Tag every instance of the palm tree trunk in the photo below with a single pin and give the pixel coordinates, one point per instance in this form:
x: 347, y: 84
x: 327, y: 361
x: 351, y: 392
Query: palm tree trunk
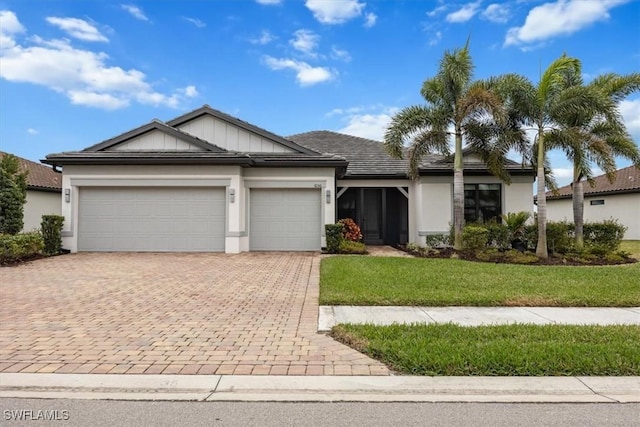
x: 578, y: 211
x: 458, y: 192
x: 541, y: 249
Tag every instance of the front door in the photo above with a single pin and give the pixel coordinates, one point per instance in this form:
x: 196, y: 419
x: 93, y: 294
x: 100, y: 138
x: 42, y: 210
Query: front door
x: 372, y: 223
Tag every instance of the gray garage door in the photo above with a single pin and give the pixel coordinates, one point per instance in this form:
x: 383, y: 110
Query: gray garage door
x: 285, y: 219
x: 173, y: 219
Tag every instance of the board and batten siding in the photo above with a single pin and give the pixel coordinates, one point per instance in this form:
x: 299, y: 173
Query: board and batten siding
x: 156, y: 141
x: 230, y: 137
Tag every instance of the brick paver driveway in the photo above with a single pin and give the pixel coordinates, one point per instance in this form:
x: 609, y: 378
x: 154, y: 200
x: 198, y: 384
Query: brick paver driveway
x: 252, y: 313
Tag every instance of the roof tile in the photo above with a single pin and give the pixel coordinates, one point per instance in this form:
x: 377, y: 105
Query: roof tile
x: 40, y: 176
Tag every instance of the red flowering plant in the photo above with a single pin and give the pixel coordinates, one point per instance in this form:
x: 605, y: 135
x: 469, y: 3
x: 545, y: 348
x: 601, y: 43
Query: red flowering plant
x: 351, y: 230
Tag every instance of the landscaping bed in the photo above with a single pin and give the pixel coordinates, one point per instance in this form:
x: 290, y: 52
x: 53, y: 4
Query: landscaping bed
x: 505, y: 350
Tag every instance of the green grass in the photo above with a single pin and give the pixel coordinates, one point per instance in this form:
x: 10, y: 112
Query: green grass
x: 631, y: 246
x: 507, y: 350
x: 357, y: 280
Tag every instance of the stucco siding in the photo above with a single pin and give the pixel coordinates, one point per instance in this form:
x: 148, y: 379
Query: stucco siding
x: 623, y: 207
x: 156, y: 141
x: 230, y: 137
x: 40, y: 203
x: 435, y: 201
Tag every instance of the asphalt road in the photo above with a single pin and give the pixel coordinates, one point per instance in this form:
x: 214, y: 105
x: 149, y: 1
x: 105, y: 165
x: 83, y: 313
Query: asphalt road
x: 126, y: 413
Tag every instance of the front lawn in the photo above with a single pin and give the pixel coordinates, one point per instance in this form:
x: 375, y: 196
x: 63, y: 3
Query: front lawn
x: 513, y: 350
x: 632, y: 247
x: 358, y: 280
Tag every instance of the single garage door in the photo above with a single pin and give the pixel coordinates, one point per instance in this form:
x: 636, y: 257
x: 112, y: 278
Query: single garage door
x: 285, y: 219
x: 150, y: 219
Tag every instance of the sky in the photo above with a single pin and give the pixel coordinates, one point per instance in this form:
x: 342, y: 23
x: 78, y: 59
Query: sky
x: 74, y: 73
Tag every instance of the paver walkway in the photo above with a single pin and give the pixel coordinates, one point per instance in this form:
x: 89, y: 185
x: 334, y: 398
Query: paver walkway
x: 151, y: 313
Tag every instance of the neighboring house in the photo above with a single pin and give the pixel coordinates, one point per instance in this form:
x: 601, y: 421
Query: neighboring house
x: 44, y: 186
x: 207, y: 181
x: 619, y: 200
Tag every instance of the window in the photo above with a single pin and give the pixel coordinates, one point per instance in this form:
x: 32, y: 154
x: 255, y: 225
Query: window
x: 482, y: 202
x: 597, y: 202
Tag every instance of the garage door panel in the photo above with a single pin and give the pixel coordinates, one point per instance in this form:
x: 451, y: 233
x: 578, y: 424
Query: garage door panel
x: 151, y: 219
x: 285, y: 219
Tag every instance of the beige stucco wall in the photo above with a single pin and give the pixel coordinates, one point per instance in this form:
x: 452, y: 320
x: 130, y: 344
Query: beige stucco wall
x: 623, y: 207
x: 40, y: 203
x: 434, y: 202
x: 235, y: 178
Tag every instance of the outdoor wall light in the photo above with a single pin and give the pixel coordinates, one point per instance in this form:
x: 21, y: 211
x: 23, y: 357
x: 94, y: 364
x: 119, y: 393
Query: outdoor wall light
x: 328, y: 196
x: 67, y: 195
x: 232, y: 195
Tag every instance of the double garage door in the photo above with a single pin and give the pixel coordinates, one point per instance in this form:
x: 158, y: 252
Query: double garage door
x: 151, y: 219
x: 179, y: 219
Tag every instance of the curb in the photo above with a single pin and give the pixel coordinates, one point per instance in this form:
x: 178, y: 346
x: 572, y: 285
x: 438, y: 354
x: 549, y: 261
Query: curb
x: 322, y: 388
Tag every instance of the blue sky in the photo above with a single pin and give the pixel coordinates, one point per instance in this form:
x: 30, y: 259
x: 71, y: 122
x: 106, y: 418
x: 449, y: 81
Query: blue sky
x: 73, y: 73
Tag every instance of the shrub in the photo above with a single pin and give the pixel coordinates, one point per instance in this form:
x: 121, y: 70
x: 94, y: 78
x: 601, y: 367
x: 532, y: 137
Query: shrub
x: 474, y: 238
x: 334, y: 237
x: 605, y: 235
x: 17, y: 247
x: 498, y: 235
x: 440, y: 240
x: 559, y: 236
x: 351, y: 230
x: 51, y: 227
x: 351, y: 247
x: 13, y: 195
x: 516, y: 224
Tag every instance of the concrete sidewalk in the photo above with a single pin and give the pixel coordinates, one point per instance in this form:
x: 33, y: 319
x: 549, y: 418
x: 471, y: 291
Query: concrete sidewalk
x: 330, y: 316
x: 321, y: 388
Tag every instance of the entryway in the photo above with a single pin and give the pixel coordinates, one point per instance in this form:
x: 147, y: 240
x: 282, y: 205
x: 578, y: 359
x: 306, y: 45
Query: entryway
x: 381, y: 213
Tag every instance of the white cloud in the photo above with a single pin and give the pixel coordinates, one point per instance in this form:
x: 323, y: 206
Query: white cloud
x: 365, y: 121
x: 32, y: 131
x: 435, y: 38
x: 82, y: 75
x: 335, y: 11
x: 306, y: 75
x: 77, y: 28
x: 340, y: 54
x: 195, y: 21
x: 436, y: 11
x: 9, y: 26
x: 465, y: 13
x: 562, y: 17
x: 265, y: 38
x: 269, y: 2
x: 370, y: 20
x: 190, y: 91
x: 496, y: 12
x: 135, y: 11
x: 305, y: 41
x: 630, y: 110
x: 106, y: 101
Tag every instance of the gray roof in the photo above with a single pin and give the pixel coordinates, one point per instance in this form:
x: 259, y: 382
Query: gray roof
x: 368, y: 158
x: 212, y: 154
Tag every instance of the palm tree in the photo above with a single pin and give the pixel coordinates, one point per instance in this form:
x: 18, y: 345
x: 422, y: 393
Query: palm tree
x: 538, y: 109
x: 595, y: 135
x: 459, y: 106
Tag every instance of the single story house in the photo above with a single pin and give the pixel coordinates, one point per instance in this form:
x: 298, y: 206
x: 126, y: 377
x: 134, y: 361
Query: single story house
x: 619, y: 200
x: 44, y: 186
x: 207, y: 181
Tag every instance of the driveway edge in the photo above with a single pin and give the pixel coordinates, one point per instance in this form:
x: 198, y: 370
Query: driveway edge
x: 322, y: 388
